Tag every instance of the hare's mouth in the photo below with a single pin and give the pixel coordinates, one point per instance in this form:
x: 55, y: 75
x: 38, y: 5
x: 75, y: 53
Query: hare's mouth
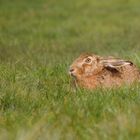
x: 72, y: 74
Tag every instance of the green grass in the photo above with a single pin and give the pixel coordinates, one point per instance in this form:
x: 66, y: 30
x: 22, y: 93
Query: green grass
x: 38, y: 41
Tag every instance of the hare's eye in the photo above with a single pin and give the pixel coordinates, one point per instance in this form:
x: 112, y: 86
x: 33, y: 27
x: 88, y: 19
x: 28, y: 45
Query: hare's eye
x: 88, y: 60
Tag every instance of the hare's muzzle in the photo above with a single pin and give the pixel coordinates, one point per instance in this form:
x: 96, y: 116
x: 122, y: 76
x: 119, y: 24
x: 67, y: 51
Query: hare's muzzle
x: 72, y: 72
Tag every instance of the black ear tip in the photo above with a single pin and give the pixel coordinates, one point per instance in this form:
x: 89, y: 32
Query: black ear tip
x: 114, y: 70
x: 131, y: 63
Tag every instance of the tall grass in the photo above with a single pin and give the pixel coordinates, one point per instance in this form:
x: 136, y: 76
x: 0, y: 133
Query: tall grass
x: 38, y: 41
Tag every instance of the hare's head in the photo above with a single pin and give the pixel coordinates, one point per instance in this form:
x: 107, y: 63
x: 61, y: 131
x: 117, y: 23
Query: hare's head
x: 84, y: 65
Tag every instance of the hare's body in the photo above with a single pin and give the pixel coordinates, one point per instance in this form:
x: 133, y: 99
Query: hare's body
x: 103, y: 72
x: 110, y: 78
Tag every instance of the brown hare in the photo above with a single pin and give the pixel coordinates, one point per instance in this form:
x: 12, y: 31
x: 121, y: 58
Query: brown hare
x: 91, y: 71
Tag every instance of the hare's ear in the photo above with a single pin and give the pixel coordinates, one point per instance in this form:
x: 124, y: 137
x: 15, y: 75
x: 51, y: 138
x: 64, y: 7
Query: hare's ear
x: 115, y: 63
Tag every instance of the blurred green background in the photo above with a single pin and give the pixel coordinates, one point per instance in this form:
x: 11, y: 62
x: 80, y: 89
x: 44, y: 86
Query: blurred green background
x: 39, y: 39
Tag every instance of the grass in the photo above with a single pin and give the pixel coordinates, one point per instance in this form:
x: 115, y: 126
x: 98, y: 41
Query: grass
x: 38, y: 41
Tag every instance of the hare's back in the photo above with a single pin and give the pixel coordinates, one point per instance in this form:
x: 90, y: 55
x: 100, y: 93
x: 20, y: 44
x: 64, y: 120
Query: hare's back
x: 124, y: 75
x: 130, y: 73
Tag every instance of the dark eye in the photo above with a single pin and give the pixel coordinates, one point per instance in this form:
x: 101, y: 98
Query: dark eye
x: 88, y: 60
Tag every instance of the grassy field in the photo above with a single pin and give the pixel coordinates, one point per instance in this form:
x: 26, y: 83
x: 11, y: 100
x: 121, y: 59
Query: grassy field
x: 38, y: 41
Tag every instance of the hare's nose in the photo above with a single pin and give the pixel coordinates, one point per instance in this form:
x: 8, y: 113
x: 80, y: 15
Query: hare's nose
x: 71, y: 70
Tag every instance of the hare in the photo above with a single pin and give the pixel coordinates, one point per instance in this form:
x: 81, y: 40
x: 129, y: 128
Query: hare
x: 91, y: 71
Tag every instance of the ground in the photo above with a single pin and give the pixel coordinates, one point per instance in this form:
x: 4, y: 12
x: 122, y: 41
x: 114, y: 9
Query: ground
x: 39, y: 39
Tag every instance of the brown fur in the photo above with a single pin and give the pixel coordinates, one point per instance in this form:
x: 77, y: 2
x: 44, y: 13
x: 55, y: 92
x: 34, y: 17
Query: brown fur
x: 91, y: 71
